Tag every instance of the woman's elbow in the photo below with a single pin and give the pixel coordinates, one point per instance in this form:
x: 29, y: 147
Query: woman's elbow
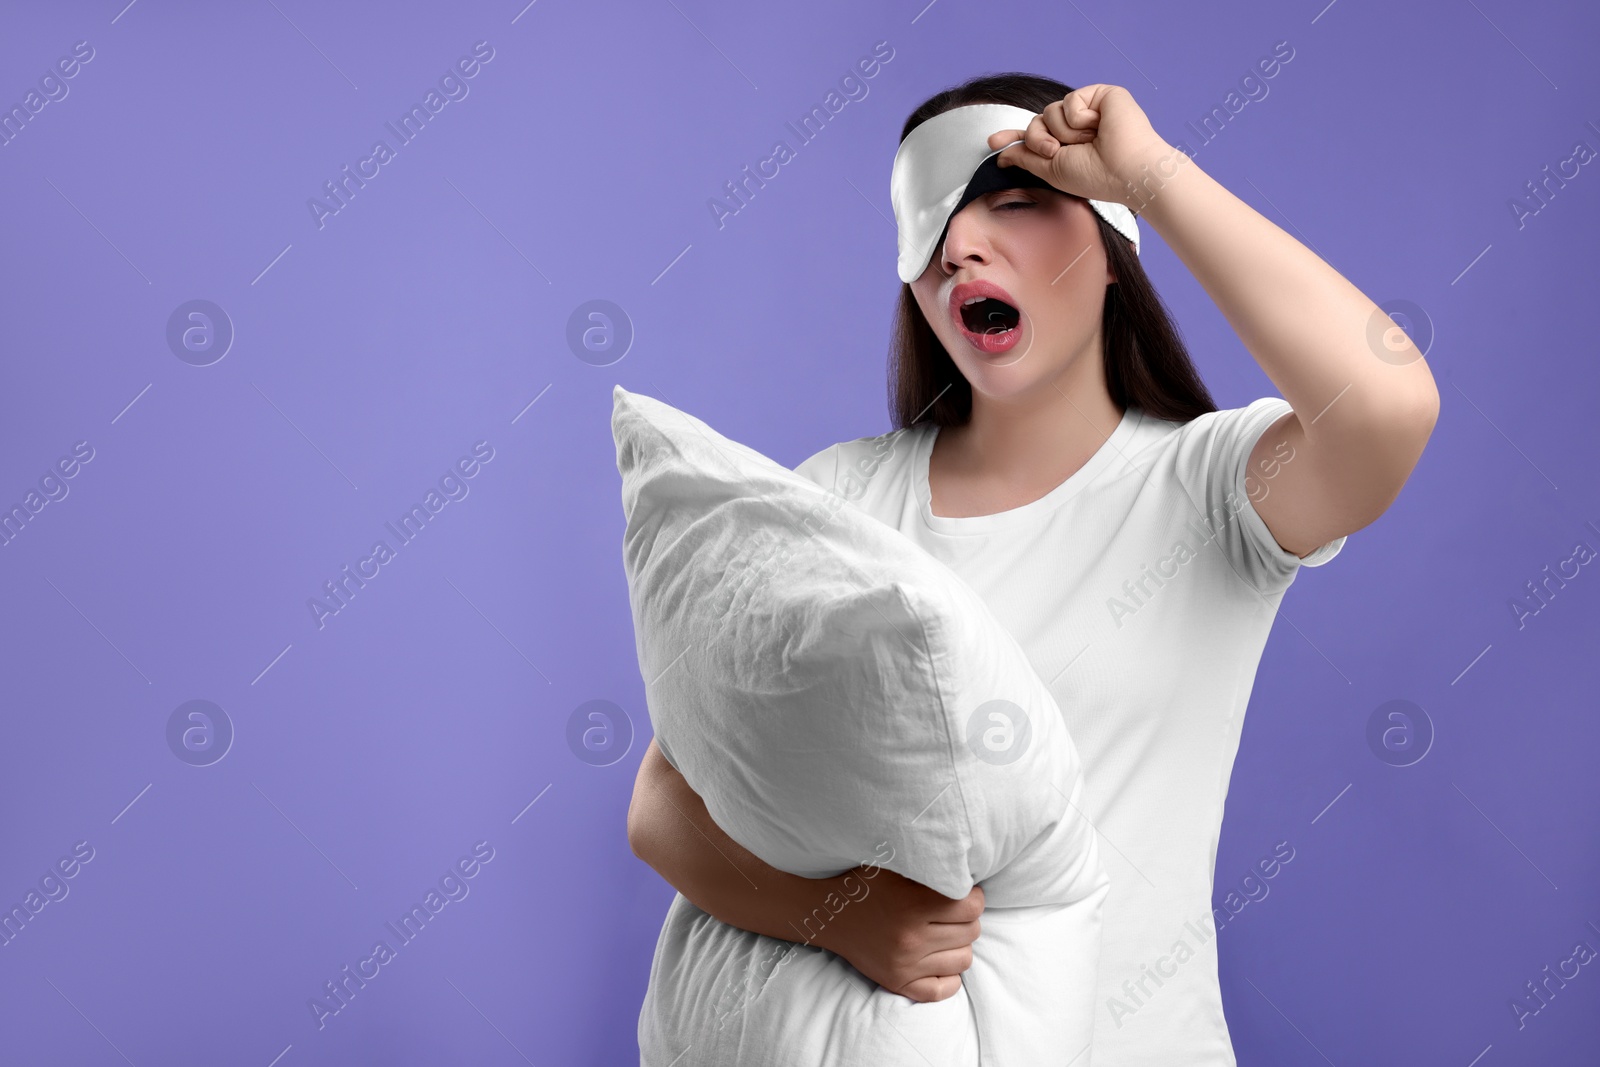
x: 638, y: 829
x: 641, y: 826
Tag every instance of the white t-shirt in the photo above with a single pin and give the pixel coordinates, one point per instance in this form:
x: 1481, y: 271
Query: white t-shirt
x: 1147, y: 622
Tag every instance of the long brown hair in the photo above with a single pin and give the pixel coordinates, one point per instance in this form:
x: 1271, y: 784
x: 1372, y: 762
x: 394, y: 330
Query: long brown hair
x: 1146, y: 363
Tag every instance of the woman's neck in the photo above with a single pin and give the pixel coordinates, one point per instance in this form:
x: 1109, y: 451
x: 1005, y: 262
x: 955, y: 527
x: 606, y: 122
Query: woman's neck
x: 1015, y: 450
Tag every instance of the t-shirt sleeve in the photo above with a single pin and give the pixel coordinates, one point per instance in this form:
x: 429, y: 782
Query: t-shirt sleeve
x: 821, y: 467
x: 1218, y: 468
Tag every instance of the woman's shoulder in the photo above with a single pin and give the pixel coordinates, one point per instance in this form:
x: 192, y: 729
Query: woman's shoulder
x: 861, y: 455
x: 1224, y: 429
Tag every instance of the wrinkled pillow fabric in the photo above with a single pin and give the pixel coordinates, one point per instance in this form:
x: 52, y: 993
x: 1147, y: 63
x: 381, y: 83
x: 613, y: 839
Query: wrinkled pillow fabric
x: 839, y: 697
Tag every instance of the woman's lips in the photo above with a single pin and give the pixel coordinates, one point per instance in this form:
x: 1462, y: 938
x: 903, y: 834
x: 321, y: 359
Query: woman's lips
x: 995, y: 341
x: 991, y: 341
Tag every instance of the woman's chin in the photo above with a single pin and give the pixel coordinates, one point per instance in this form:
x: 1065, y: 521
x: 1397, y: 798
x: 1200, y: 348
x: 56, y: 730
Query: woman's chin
x: 1002, y: 382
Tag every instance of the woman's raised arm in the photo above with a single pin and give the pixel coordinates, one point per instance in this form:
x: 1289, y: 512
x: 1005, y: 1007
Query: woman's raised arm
x: 1364, y: 402
x: 899, y: 933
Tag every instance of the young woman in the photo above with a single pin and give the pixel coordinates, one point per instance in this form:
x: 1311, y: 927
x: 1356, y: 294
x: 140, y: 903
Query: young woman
x: 1057, y: 449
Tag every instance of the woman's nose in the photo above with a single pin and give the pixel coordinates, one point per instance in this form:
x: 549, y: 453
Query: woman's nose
x: 964, y: 240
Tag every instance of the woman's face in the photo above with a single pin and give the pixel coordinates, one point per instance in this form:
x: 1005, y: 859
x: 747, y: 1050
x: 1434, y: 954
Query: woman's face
x: 1038, y: 250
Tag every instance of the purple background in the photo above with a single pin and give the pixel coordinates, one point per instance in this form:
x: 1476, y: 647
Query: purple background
x: 432, y: 312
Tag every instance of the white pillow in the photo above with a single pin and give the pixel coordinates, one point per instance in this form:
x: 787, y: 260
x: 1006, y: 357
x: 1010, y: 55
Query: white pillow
x: 838, y: 697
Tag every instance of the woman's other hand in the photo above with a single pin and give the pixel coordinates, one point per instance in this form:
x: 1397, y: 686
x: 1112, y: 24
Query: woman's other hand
x: 906, y: 937
x: 899, y: 933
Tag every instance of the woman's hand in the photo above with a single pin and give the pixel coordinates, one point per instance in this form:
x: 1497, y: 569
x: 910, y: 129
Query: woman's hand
x: 1095, y: 142
x: 899, y: 933
x: 906, y: 937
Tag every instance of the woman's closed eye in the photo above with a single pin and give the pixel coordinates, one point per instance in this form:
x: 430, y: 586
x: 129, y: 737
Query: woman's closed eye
x: 1015, y: 203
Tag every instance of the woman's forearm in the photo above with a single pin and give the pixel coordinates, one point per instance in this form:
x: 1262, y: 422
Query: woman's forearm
x: 1364, y: 400
x: 670, y: 829
x: 899, y: 933
x: 1310, y: 329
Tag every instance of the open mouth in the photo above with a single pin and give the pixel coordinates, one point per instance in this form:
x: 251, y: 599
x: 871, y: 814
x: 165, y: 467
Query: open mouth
x: 990, y: 324
x: 989, y: 316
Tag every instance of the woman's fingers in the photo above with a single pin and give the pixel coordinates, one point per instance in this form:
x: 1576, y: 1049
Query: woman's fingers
x: 944, y: 978
x: 1054, y: 120
x: 908, y: 937
x: 934, y: 906
x: 1004, y: 137
x: 1081, y: 107
x: 1070, y: 120
x: 929, y: 990
x: 951, y: 961
x: 943, y: 935
x: 1039, y: 137
x: 971, y: 905
x: 1011, y: 156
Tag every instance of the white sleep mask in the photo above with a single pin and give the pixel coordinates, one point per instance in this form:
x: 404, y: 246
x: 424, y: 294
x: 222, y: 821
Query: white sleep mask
x: 946, y: 162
